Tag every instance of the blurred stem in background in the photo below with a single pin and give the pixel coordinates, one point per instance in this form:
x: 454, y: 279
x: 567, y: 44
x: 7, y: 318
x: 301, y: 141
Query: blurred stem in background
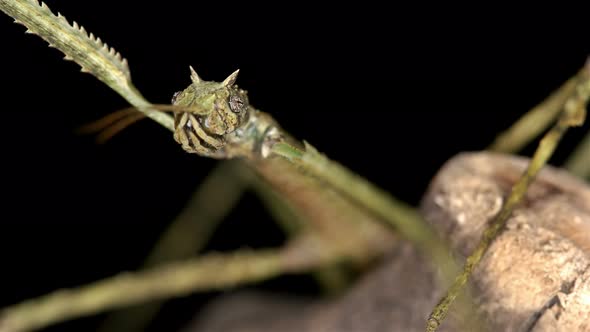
x: 538, y: 119
x: 579, y: 161
x: 208, y: 272
x: 190, y: 231
x: 332, y: 278
x: 535, y: 121
x: 186, y: 235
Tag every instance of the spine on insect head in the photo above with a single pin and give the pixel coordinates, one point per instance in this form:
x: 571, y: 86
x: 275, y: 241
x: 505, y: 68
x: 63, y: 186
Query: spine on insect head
x: 231, y: 79
x: 194, y: 76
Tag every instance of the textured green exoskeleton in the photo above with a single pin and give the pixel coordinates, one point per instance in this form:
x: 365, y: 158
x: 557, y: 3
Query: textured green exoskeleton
x: 219, y: 109
x: 216, y: 120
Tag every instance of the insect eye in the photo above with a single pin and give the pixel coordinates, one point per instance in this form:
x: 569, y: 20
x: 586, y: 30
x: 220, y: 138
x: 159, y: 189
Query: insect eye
x: 236, y: 104
x: 175, y: 96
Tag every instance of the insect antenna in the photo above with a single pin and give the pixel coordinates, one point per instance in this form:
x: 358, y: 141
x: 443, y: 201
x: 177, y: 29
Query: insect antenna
x: 113, y: 123
x: 106, y: 121
x: 115, y: 128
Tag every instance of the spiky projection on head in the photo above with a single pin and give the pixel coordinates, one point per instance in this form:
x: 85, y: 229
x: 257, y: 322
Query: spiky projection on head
x: 217, y: 109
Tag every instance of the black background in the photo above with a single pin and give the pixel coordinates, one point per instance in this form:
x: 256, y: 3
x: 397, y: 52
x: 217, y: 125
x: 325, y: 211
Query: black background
x: 390, y: 92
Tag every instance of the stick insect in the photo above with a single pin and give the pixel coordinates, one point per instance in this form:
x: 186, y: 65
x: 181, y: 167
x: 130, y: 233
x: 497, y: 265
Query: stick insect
x: 215, y: 119
x: 211, y: 119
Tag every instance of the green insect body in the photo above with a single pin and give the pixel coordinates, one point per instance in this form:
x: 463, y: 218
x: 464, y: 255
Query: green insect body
x: 219, y: 121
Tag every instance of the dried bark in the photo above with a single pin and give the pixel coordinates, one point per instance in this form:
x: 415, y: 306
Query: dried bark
x: 535, y: 276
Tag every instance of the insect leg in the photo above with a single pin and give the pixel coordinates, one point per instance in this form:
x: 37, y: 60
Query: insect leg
x: 187, y: 138
x: 215, y: 142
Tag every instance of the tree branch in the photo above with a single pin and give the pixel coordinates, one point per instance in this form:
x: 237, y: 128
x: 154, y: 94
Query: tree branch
x: 213, y: 271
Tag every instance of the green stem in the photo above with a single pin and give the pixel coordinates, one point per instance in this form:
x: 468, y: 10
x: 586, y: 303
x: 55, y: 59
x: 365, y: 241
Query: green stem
x: 186, y: 235
x: 403, y: 217
x: 89, y: 52
x: 213, y: 271
x: 573, y: 115
x: 535, y: 121
x: 578, y: 162
x: 332, y: 278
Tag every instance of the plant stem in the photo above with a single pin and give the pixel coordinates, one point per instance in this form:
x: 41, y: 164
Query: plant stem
x: 186, y: 235
x: 403, y: 217
x: 347, y: 228
x: 331, y: 278
x: 213, y: 271
x: 535, y: 121
x: 89, y: 52
x: 574, y: 112
x: 578, y: 162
